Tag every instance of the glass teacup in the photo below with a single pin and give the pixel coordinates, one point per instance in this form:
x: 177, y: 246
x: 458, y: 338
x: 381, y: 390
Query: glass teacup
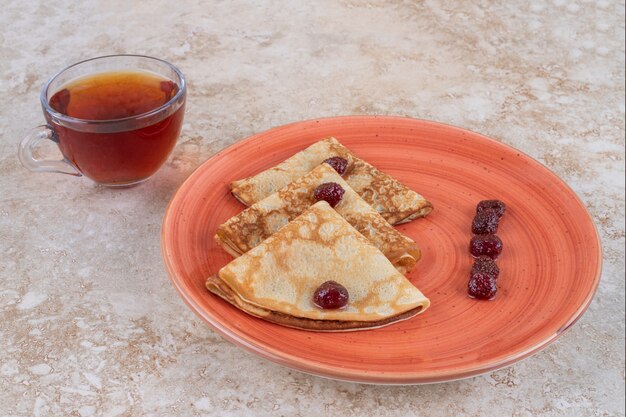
x: 114, y: 118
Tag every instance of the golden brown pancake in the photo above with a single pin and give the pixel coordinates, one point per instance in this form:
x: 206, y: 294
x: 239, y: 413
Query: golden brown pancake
x: 276, y: 279
x: 392, y: 199
x: 253, y: 189
x: 259, y: 221
x: 396, y: 202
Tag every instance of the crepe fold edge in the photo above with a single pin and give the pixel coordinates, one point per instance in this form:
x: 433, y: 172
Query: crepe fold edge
x: 218, y: 287
x: 403, y: 258
x: 372, y: 185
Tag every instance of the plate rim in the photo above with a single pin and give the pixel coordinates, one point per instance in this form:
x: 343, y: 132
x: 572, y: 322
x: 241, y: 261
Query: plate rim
x: 373, y: 377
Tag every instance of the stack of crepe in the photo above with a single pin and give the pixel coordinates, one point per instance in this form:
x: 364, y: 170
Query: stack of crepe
x: 393, y: 200
x: 286, y: 244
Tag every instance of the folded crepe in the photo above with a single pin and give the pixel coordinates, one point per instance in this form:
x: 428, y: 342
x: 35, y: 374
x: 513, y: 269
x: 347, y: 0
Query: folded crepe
x: 259, y: 221
x: 253, y: 189
x: 395, y: 202
x: 392, y: 199
x: 276, y: 280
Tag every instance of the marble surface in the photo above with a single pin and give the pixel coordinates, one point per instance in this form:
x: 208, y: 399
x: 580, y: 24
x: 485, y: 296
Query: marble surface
x: 89, y: 322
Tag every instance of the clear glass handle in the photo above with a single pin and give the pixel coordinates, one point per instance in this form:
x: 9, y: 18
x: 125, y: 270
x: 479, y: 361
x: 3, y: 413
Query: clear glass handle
x: 28, y: 145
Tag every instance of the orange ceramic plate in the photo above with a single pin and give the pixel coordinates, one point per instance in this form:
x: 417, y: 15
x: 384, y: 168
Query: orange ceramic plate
x: 550, y: 266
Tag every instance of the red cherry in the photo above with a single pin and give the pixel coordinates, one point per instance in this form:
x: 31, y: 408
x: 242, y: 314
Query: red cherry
x: 486, y: 265
x: 338, y: 163
x: 331, y: 295
x: 482, y: 286
x: 489, y: 245
x: 331, y: 192
x: 496, y: 205
x: 485, y: 222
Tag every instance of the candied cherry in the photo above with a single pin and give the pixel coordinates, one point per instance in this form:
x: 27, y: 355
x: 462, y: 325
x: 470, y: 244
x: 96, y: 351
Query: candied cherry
x: 486, y: 265
x: 489, y: 245
x: 331, y: 295
x: 496, y: 205
x: 338, y: 163
x: 485, y: 222
x: 482, y: 286
x: 331, y: 192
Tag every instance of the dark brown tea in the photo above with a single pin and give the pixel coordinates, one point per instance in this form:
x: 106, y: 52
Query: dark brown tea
x: 117, y: 157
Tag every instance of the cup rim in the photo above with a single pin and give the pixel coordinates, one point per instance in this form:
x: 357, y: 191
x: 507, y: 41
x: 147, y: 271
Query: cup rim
x: 75, y: 120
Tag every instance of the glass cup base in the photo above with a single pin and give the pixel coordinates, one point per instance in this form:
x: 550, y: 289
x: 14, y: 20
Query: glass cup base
x: 123, y: 184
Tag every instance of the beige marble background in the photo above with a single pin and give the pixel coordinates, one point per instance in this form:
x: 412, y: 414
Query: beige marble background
x: 89, y: 323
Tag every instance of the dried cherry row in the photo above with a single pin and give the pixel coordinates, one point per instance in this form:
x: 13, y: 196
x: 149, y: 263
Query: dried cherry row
x: 485, y: 247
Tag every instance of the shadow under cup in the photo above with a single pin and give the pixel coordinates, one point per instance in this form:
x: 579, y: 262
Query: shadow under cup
x: 115, y: 151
